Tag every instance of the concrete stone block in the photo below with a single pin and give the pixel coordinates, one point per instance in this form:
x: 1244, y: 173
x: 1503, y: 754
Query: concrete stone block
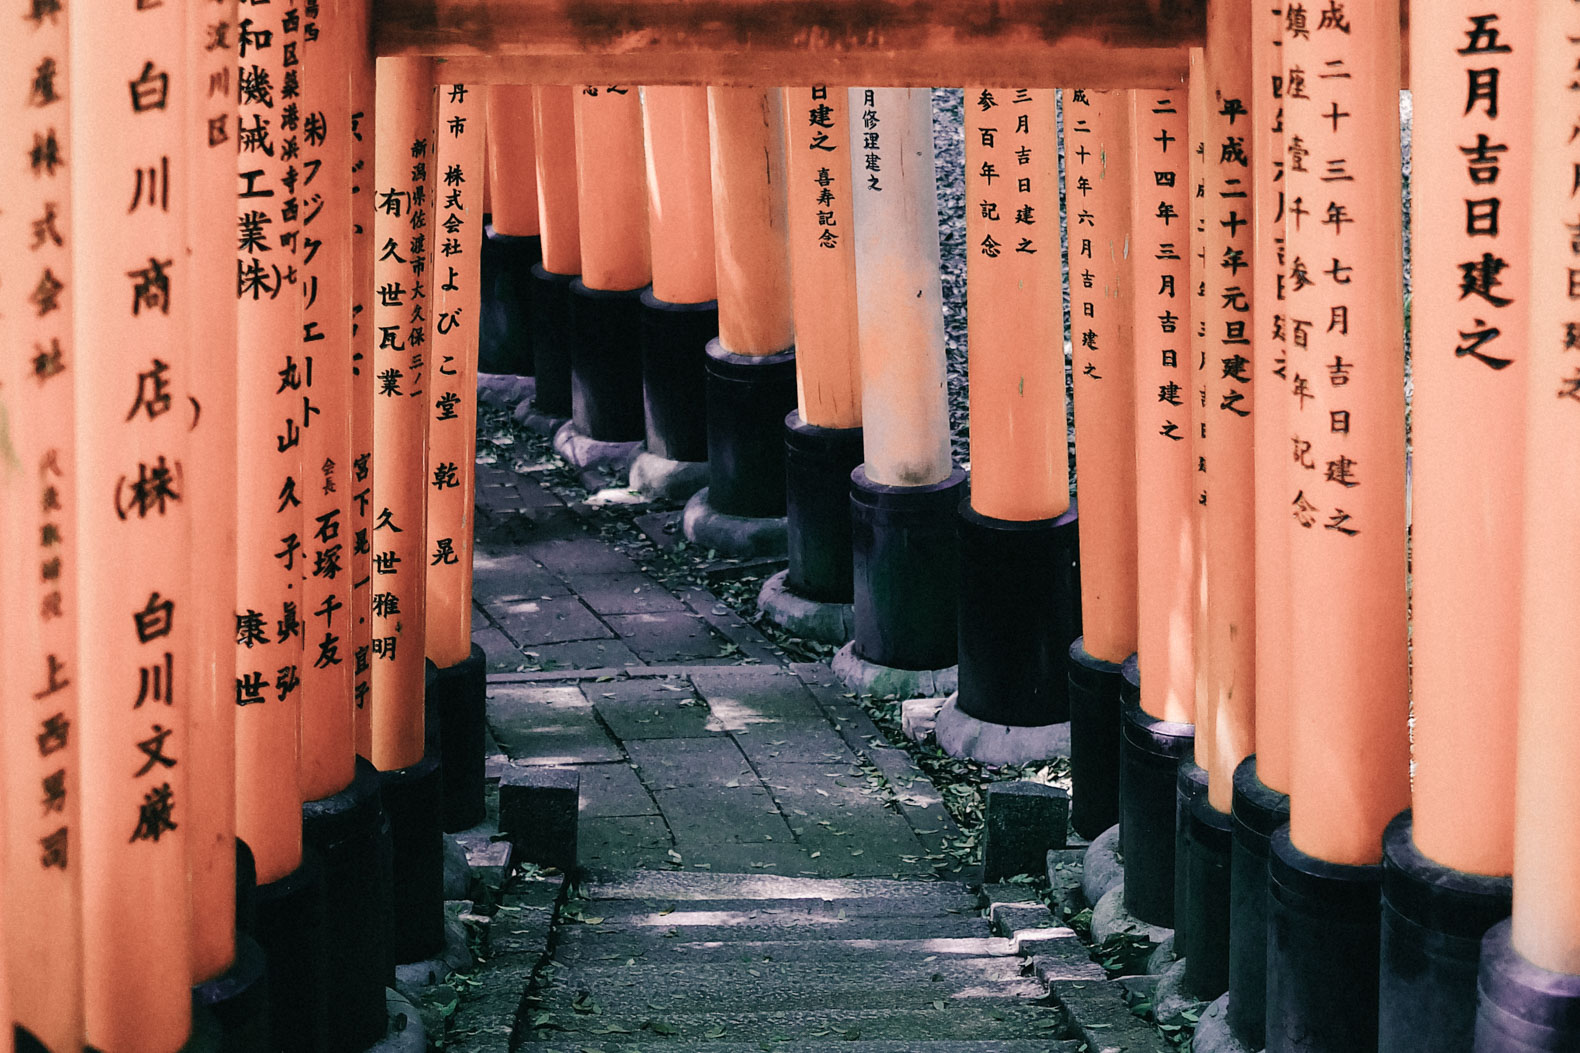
x: 538, y: 811
x: 1024, y: 820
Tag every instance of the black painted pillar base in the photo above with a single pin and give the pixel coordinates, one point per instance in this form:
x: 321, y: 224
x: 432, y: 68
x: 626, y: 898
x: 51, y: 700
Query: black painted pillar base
x: 818, y: 463
x: 553, y: 339
x: 292, y: 932
x: 1020, y: 608
x: 1094, y: 689
x: 1520, y: 1006
x: 905, y: 555
x: 504, y: 334
x: 675, y: 339
x: 246, y: 890
x: 748, y: 397
x: 1258, y: 811
x: 458, y: 702
x: 606, y: 363
x: 414, y: 803
x: 238, y: 1002
x: 1433, y: 921
x: 1149, y: 756
x: 1210, y: 839
x: 1190, y: 782
x: 348, y: 832
x: 1323, y: 933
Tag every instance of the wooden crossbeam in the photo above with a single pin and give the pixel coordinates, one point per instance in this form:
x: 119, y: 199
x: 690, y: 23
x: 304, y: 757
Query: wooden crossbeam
x: 1036, y: 43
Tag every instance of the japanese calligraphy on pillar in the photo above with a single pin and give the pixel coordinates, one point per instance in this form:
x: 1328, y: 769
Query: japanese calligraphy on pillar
x: 325, y: 379
x: 826, y: 190
x: 1567, y: 336
x: 127, y: 141
x: 38, y: 479
x: 871, y: 154
x: 1161, y: 308
x: 1198, y: 125
x: 273, y: 410
x: 359, y: 478
x: 452, y: 424
x: 402, y: 204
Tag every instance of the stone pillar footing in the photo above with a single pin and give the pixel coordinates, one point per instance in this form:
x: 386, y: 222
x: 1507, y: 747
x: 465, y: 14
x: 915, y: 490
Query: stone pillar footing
x: 414, y: 803
x: 657, y: 478
x: 1150, y: 753
x: 1323, y: 933
x: 552, y: 340
x: 1020, y: 608
x: 1258, y: 811
x: 350, y: 835
x: 748, y: 397
x: 1101, y: 868
x: 829, y: 623
x: 675, y: 338
x: 741, y: 537
x: 1520, y: 1006
x: 818, y: 464
x: 1094, y: 689
x: 1190, y: 782
x: 1433, y: 920
x: 582, y: 451
x: 960, y: 734
x: 403, y: 1028
x: 237, y: 1000
x: 1110, y: 918
x: 458, y: 702
x: 506, y: 390
x: 292, y: 933
x: 1213, y: 1033
x: 881, y: 681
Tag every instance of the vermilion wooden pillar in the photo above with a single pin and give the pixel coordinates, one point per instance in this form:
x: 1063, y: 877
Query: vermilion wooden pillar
x: 1349, y: 770
x: 751, y: 366
x: 406, y: 255
x: 1529, y: 981
x: 1199, y: 118
x: 1157, y: 728
x: 457, y: 697
x: 505, y: 332
x: 1098, y: 177
x: 364, y: 337
x: 553, y: 111
x: 903, y: 497
x: 1019, y: 589
x: 133, y: 525
x: 823, y: 436
x: 42, y: 788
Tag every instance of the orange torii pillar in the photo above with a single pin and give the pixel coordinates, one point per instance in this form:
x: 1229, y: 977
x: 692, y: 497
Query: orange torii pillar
x: 903, y: 498
x: 364, y: 336
x: 1019, y: 600
x: 342, y: 814
x: 512, y: 242
x: 1349, y: 772
x: 1204, y: 823
x: 1098, y: 180
x: 457, y: 697
x: 559, y: 226
x: 1529, y: 982
x: 751, y: 364
x: 1447, y: 861
x: 404, y: 234
x: 680, y: 312
x: 607, y: 424
x: 812, y: 596
x: 129, y: 365
x: 1261, y: 782
x: 274, y: 417
x: 41, y: 782
x: 1159, y: 703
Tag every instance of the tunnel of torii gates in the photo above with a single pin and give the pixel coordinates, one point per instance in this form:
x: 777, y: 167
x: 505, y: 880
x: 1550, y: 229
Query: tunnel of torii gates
x: 237, y: 428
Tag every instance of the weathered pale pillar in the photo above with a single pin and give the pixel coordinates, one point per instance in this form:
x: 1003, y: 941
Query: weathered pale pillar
x: 1157, y: 713
x: 554, y: 150
x: 1261, y: 803
x: 1349, y: 772
x: 812, y: 596
x: 680, y: 313
x: 1529, y: 983
x: 457, y: 697
x: 1098, y: 179
x: 404, y: 234
x: 1019, y: 584
x: 605, y: 306
x: 128, y: 364
x: 512, y: 238
x: 903, y: 497
x: 42, y: 787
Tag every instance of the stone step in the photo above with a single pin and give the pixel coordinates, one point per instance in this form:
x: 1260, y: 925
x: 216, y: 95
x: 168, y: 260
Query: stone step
x: 810, y: 985
x: 605, y: 939
x: 790, y: 1044
x: 695, y: 885
x: 636, y: 915
x: 951, y: 1024
x: 688, y: 951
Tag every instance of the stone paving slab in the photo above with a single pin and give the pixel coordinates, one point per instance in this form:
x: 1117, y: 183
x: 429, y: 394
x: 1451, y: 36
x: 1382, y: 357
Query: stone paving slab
x: 624, y: 594
x: 581, y: 654
x: 670, y: 636
x: 613, y: 790
x: 678, y: 716
x: 548, y: 726
x: 719, y: 815
x: 510, y: 576
x: 689, y: 763
x: 531, y: 622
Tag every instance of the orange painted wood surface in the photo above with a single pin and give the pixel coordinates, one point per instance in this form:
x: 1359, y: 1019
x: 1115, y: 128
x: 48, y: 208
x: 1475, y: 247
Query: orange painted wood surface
x: 363, y: 338
x: 1349, y: 696
x: 679, y: 194
x: 559, y: 213
x: 820, y: 195
x: 1161, y: 309
x: 1098, y: 179
x: 1470, y: 201
x: 611, y: 187
x: 1015, y: 317
x: 1198, y: 125
x: 512, y: 160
